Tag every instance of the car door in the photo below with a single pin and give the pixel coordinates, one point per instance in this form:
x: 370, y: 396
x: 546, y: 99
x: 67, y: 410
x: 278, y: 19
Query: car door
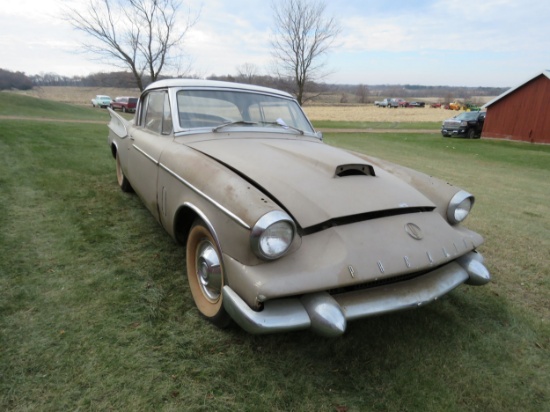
x: 150, y: 136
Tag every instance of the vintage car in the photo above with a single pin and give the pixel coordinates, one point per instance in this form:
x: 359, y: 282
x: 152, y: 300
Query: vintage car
x: 282, y: 231
x: 467, y: 124
x: 101, y: 101
x: 124, y: 104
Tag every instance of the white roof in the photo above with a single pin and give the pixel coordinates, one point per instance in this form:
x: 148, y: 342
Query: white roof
x: 214, y: 84
x: 545, y: 73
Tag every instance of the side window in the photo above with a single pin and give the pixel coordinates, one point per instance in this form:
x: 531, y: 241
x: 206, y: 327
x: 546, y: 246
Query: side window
x: 155, y: 113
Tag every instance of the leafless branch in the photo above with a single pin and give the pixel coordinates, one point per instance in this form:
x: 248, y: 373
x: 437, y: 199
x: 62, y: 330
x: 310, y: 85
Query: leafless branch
x: 140, y: 35
x: 303, y: 37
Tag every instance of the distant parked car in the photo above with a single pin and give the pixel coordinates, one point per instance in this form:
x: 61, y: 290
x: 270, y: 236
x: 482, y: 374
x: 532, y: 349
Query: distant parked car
x: 101, y: 101
x: 382, y: 103
x: 467, y: 124
x: 124, y: 104
x: 395, y: 103
x: 417, y: 104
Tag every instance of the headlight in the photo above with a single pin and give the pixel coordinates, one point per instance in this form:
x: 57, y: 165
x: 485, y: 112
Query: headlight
x: 459, y: 207
x: 272, y: 235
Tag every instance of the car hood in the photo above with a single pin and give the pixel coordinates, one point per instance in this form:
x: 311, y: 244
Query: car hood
x: 452, y: 121
x: 313, y: 181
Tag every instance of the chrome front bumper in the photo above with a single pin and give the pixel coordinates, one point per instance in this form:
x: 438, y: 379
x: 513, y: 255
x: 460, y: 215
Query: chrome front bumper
x: 328, y: 314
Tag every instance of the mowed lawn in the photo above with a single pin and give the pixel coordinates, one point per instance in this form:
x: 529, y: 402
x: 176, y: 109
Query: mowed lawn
x: 96, y: 314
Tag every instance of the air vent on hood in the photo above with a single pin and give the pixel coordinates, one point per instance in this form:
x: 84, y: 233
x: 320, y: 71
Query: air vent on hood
x: 354, y: 170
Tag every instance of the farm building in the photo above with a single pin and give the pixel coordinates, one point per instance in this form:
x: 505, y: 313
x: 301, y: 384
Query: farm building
x: 521, y: 113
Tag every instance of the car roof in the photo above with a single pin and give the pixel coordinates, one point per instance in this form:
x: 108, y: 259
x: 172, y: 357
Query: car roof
x: 214, y: 84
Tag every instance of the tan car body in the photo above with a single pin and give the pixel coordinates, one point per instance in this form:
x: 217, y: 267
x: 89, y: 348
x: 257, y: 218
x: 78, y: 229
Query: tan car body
x: 371, y: 237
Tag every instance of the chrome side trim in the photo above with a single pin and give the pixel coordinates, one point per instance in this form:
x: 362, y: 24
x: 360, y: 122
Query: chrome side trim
x: 148, y: 156
x: 328, y: 314
x: 205, y: 196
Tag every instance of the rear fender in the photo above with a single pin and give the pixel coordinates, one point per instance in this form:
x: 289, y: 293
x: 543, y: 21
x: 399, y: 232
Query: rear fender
x: 118, y: 124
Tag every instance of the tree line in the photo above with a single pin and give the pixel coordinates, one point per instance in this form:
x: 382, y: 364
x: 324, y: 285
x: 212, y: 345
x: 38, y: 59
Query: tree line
x: 349, y: 93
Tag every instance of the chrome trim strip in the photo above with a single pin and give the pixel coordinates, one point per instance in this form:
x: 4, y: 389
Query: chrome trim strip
x: 205, y: 196
x: 152, y: 159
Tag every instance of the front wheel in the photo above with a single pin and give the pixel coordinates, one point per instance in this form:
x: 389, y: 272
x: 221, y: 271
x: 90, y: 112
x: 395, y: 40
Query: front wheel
x: 205, y: 274
x: 471, y: 134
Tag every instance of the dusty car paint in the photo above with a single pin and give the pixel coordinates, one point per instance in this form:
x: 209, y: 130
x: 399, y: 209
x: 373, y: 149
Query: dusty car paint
x: 369, y: 237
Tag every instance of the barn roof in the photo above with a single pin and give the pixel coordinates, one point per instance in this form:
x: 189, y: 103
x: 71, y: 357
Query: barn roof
x: 545, y: 73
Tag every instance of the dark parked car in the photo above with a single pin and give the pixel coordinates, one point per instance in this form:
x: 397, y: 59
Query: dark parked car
x: 467, y: 124
x: 417, y: 104
x: 124, y: 104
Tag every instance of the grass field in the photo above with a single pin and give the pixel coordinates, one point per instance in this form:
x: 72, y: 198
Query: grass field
x: 95, y: 312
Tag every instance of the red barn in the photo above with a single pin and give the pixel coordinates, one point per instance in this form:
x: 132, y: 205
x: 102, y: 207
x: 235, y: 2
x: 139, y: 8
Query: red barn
x: 521, y: 113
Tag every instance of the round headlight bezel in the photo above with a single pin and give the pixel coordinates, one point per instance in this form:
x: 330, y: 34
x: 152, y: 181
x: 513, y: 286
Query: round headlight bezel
x: 265, y: 227
x: 460, y: 207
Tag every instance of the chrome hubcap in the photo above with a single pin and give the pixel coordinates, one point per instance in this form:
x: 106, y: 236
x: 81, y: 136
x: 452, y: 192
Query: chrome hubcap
x: 209, y: 271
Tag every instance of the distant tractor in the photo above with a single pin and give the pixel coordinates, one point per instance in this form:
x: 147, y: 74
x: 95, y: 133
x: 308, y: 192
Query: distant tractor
x: 456, y: 105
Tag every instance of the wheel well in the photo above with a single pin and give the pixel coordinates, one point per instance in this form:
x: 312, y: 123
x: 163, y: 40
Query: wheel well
x: 113, y: 150
x: 183, y: 221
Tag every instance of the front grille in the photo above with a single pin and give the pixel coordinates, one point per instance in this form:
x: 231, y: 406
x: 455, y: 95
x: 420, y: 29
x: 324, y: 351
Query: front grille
x: 380, y: 282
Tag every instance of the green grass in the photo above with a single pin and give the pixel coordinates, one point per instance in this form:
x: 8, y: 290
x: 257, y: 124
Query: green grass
x: 95, y: 313
x: 331, y: 124
x: 12, y: 104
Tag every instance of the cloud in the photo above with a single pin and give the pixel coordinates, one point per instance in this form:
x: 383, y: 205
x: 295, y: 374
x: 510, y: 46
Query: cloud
x: 492, y: 26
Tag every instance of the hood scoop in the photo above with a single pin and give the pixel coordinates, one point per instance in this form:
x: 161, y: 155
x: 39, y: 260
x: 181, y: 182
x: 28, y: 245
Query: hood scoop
x: 354, y: 170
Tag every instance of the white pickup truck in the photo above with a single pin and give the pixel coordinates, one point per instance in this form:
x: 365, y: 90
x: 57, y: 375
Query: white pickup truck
x: 382, y: 103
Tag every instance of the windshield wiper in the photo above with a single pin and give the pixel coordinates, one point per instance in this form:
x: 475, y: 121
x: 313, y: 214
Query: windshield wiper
x: 285, y: 126
x: 236, y: 122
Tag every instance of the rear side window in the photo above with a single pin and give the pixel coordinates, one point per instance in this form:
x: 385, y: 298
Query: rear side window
x: 155, y: 113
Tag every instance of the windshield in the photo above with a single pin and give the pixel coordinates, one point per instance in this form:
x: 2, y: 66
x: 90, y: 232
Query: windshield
x: 214, y: 108
x: 468, y: 116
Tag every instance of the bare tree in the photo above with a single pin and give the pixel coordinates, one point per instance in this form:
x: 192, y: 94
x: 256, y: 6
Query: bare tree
x: 362, y: 93
x: 247, y: 72
x: 140, y: 35
x: 302, y: 38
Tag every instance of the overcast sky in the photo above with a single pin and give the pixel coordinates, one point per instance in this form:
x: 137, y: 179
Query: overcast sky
x: 497, y: 43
